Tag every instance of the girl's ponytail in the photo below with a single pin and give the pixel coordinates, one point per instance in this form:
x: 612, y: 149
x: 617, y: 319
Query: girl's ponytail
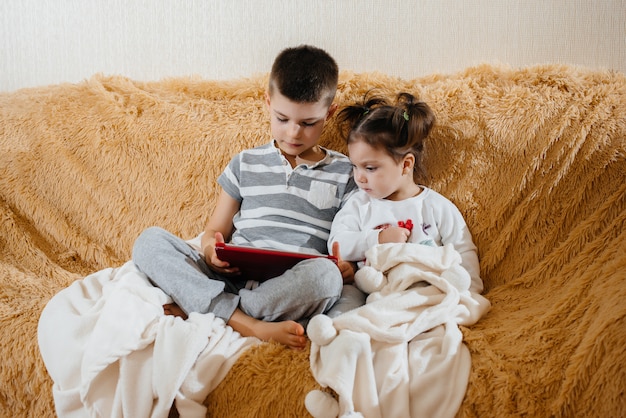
x: 419, y: 119
x: 355, y: 115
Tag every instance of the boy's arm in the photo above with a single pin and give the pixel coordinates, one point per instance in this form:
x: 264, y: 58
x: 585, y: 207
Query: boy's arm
x: 220, y: 222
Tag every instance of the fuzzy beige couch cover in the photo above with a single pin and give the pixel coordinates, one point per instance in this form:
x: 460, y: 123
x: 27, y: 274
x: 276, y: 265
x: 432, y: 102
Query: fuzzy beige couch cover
x: 535, y: 158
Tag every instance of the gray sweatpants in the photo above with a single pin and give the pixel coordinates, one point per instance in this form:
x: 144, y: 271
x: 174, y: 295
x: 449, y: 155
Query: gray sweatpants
x: 309, y: 288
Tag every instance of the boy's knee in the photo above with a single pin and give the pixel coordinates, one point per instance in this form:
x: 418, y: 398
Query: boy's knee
x: 152, y: 232
x: 329, y: 277
x: 145, y: 242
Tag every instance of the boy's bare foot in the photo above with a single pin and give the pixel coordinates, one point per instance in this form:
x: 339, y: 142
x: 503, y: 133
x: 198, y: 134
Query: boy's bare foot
x: 174, y: 309
x: 289, y: 333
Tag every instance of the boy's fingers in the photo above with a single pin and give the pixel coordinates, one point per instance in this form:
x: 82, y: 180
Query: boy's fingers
x: 219, y: 238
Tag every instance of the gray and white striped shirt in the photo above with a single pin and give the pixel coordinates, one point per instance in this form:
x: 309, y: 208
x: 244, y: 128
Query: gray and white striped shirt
x: 284, y: 208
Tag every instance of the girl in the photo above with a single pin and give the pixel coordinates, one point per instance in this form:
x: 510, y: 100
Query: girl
x: 385, y: 146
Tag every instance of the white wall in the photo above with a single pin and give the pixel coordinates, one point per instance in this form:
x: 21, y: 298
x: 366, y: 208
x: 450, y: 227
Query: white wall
x: 51, y: 41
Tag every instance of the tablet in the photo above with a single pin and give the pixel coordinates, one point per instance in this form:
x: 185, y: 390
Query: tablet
x: 261, y: 264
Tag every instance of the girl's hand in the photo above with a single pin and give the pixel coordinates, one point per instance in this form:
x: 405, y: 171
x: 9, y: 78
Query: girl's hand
x: 394, y: 234
x: 346, y: 268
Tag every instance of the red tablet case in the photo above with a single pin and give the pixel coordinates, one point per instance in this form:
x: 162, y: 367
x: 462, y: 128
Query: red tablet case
x: 261, y: 264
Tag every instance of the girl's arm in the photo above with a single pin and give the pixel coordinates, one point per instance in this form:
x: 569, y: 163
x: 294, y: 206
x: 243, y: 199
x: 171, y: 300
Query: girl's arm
x: 453, y: 230
x: 347, y: 230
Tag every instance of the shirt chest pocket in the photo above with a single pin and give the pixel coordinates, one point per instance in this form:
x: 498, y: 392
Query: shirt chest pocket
x: 322, y: 195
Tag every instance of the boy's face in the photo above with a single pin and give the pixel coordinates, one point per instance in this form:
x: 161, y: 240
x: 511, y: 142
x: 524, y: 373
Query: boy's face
x: 297, y: 127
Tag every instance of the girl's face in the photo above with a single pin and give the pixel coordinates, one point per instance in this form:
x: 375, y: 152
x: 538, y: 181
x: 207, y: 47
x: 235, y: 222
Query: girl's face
x: 381, y: 176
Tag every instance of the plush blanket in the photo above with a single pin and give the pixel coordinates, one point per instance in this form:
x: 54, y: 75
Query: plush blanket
x: 400, y: 354
x: 535, y: 159
x: 112, y: 352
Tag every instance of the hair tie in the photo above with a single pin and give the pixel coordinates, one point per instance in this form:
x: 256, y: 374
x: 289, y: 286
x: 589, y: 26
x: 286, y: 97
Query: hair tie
x: 405, y: 115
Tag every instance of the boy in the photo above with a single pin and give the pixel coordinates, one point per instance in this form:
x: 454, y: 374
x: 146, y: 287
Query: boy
x: 282, y: 195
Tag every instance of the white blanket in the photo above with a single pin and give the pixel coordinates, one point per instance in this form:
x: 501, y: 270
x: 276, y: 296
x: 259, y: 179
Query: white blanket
x: 111, y: 351
x: 402, y: 353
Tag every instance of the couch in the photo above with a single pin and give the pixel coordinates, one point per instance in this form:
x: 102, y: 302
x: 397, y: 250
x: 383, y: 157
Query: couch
x: 534, y: 157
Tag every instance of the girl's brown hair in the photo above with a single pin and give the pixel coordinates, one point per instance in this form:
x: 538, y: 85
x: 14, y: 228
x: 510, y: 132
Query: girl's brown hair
x: 399, y: 129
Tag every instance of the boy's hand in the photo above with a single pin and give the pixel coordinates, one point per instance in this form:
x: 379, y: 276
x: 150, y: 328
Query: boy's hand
x: 346, y: 268
x: 222, y: 267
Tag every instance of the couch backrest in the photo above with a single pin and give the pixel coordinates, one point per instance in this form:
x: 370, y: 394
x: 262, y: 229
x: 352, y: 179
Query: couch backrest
x: 527, y: 155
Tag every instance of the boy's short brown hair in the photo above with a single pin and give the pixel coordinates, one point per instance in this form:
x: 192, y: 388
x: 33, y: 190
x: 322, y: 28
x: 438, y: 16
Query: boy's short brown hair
x: 304, y: 74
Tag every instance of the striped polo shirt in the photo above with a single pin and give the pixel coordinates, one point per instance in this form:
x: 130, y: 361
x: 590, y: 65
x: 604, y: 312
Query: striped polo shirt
x: 284, y: 208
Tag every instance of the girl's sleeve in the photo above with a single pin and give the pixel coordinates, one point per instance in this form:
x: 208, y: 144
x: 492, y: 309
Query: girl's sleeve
x: 347, y: 230
x: 454, y: 230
